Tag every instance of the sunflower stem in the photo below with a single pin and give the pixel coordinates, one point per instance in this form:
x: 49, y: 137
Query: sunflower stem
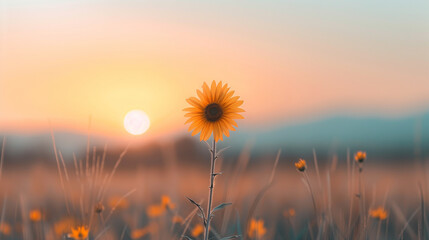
x: 212, y: 177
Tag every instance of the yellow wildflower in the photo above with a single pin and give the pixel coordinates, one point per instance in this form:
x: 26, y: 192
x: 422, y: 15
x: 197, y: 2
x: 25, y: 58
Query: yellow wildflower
x: 35, y: 215
x: 378, y: 213
x: 177, y: 219
x: 301, y: 165
x: 289, y: 213
x: 256, y: 228
x: 197, y: 230
x: 166, y: 202
x: 360, y: 156
x: 5, y: 228
x: 155, y: 210
x: 79, y: 233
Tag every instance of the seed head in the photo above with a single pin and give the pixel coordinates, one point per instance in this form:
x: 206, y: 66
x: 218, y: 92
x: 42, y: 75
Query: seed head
x: 99, y: 207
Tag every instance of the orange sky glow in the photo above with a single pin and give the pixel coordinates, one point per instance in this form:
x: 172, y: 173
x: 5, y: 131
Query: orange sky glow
x: 63, y: 61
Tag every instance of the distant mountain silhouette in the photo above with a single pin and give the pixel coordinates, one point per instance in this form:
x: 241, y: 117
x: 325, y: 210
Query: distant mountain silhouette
x: 386, y: 138
x: 402, y: 137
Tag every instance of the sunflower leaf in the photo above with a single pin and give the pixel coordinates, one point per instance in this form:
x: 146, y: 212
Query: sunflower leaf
x: 208, y: 145
x: 199, y: 208
x: 231, y: 237
x: 222, y: 150
x: 220, y: 206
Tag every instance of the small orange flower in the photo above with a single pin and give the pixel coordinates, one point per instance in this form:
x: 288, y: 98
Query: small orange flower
x: 155, y: 210
x: 289, y: 213
x: 256, y: 229
x: 197, y: 230
x: 166, y: 202
x: 378, y: 213
x: 360, y: 156
x: 301, y: 165
x: 141, y: 232
x: 35, y: 215
x: 5, y: 228
x: 79, y: 233
x: 177, y: 219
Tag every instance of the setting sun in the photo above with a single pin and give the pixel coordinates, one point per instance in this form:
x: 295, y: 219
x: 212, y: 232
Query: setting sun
x: 136, y: 122
x: 268, y: 119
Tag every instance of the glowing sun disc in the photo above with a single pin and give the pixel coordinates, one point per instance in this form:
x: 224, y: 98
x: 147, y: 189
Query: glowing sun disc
x: 136, y: 122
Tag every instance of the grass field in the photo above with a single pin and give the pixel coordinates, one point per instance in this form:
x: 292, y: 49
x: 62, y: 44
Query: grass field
x: 268, y: 202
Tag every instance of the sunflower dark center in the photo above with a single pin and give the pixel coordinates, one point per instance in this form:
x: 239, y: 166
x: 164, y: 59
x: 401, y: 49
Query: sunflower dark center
x: 213, y: 112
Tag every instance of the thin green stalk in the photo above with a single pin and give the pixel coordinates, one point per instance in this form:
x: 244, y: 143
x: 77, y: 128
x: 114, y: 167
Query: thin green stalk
x: 378, y: 229
x: 362, y: 202
x: 212, y: 176
x: 311, y: 193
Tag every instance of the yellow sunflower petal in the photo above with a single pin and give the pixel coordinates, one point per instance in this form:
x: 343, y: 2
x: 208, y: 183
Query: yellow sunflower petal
x: 205, y: 131
x: 208, y: 132
x: 204, y: 98
x: 227, y: 125
x: 213, y: 91
x: 195, y: 124
x: 190, y: 109
x: 195, y: 102
x: 222, y: 94
x: 217, y: 132
x: 218, y: 91
x: 206, y: 91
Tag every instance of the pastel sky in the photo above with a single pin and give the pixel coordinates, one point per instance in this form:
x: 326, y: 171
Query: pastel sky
x: 288, y: 60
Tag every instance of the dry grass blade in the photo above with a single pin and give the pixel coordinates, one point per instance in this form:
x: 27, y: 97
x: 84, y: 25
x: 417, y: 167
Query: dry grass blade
x: 103, y: 189
x: 119, y: 202
x: 3, y: 212
x: 261, y: 193
x: 187, y: 221
x: 316, y: 166
x: 102, y: 233
x: 422, y: 213
x: 123, y: 232
x: 59, y: 171
x: 406, y: 222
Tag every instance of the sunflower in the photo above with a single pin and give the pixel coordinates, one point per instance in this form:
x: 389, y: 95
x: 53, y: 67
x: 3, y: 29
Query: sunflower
x: 214, y: 111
